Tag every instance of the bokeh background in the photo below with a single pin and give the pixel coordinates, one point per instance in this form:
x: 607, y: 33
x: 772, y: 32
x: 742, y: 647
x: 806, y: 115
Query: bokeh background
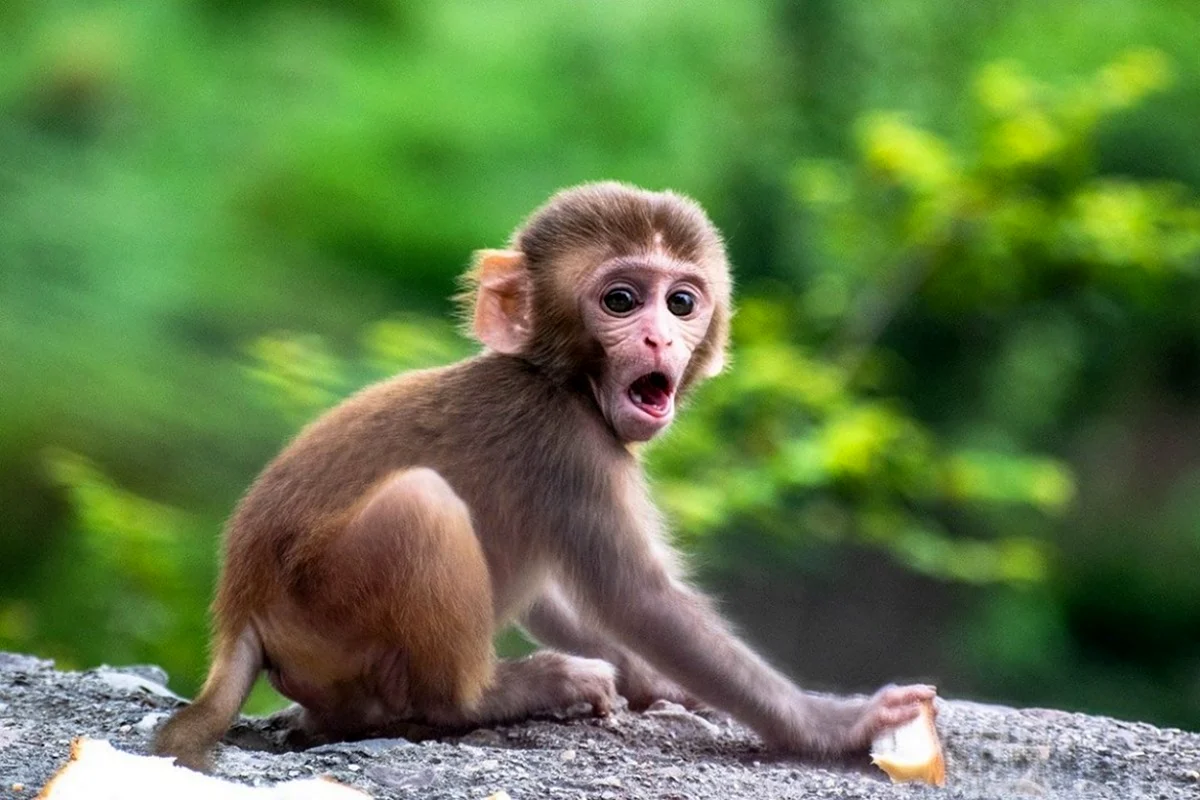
x: 960, y: 438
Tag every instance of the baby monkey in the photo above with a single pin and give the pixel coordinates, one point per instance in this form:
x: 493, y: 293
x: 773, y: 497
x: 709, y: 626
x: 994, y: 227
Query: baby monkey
x: 369, y: 566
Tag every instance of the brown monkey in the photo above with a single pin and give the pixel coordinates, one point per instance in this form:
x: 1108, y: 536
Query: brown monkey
x: 369, y: 566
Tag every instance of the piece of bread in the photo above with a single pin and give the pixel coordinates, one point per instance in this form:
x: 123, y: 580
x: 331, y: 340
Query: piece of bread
x: 98, y: 771
x: 913, y: 751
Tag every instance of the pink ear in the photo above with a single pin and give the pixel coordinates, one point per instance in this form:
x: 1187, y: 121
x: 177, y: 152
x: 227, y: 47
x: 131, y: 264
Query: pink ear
x: 715, y: 365
x: 502, y: 301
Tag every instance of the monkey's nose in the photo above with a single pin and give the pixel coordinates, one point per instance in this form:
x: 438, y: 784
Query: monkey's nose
x: 658, y: 336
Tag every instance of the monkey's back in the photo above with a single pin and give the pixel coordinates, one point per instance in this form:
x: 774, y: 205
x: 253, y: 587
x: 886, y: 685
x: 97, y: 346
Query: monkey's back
x: 513, y: 444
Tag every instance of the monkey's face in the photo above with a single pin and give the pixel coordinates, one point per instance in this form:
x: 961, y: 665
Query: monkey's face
x: 626, y: 288
x: 649, y: 313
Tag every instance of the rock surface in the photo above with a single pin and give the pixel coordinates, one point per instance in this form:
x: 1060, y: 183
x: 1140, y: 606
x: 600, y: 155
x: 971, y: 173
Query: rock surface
x: 668, y: 754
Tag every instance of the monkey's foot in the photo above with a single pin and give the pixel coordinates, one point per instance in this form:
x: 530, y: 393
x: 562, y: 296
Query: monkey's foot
x: 288, y: 729
x: 587, y: 680
x: 545, y: 682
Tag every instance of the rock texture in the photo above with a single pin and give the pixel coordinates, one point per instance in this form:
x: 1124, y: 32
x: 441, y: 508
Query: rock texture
x: 667, y: 754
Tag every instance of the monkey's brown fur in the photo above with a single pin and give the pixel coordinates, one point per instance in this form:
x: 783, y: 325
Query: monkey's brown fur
x: 369, y: 565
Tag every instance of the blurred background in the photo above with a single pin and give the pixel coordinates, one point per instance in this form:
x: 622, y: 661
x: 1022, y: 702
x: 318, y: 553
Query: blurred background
x: 960, y: 438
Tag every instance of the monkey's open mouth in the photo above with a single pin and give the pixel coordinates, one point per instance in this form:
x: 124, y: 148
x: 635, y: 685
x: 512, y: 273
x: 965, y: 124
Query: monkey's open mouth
x: 652, y: 393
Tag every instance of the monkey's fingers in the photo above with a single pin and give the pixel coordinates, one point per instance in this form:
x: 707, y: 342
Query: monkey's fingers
x: 904, y: 695
x: 892, y: 707
x: 892, y: 716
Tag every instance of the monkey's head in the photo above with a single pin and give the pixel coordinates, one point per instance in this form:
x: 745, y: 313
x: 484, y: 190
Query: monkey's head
x: 615, y: 289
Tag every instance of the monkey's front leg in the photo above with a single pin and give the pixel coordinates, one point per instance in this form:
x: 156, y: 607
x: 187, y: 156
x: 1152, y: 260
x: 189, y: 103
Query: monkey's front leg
x: 677, y: 631
x: 554, y: 622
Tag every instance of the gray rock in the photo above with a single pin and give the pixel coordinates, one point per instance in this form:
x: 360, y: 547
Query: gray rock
x: 19, y: 662
x: 149, y: 672
x: 149, y: 723
x: 991, y: 751
x: 133, y: 683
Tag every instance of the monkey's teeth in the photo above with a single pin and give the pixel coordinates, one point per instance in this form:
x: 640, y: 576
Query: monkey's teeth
x: 651, y: 394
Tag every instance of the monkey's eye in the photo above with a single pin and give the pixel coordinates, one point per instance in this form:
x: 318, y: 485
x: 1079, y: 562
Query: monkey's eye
x: 681, y: 303
x: 620, y: 301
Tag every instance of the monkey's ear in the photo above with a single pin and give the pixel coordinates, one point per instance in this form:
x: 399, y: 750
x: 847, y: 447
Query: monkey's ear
x: 711, y: 357
x: 714, y: 366
x: 501, y: 318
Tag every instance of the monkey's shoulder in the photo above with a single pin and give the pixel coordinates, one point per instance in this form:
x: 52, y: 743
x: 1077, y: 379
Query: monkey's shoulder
x: 479, y: 406
x: 478, y: 387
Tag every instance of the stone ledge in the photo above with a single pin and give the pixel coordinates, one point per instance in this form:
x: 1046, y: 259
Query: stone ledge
x: 991, y: 751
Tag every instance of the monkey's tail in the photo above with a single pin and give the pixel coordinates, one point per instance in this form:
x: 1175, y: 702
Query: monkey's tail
x: 193, y: 731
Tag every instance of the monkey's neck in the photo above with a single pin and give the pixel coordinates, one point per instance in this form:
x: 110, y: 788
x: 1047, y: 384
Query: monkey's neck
x: 577, y: 384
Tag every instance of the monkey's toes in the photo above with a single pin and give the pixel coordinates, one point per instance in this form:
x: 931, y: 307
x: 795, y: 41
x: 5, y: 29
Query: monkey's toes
x: 592, y: 681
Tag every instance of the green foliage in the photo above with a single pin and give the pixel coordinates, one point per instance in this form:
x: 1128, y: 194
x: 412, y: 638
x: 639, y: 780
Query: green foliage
x: 300, y: 377
x: 162, y: 565
x: 992, y: 225
x: 1037, y: 275
x: 127, y: 531
x: 1022, y: 209
x: 792, y: 445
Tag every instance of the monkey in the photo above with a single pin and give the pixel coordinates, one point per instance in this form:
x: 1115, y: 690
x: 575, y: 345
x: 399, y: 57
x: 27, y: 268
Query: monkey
x: 368, y: 567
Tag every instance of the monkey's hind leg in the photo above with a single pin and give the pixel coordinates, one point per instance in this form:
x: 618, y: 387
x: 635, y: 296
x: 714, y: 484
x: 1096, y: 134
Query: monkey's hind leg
x: 192, y: 732
x: 541, y: 683
x: 414, y: 580
x: 407, y: 580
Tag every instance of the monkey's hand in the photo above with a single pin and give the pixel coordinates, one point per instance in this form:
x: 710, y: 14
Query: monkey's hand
x: 890, y: 707
x: 833, y: 726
